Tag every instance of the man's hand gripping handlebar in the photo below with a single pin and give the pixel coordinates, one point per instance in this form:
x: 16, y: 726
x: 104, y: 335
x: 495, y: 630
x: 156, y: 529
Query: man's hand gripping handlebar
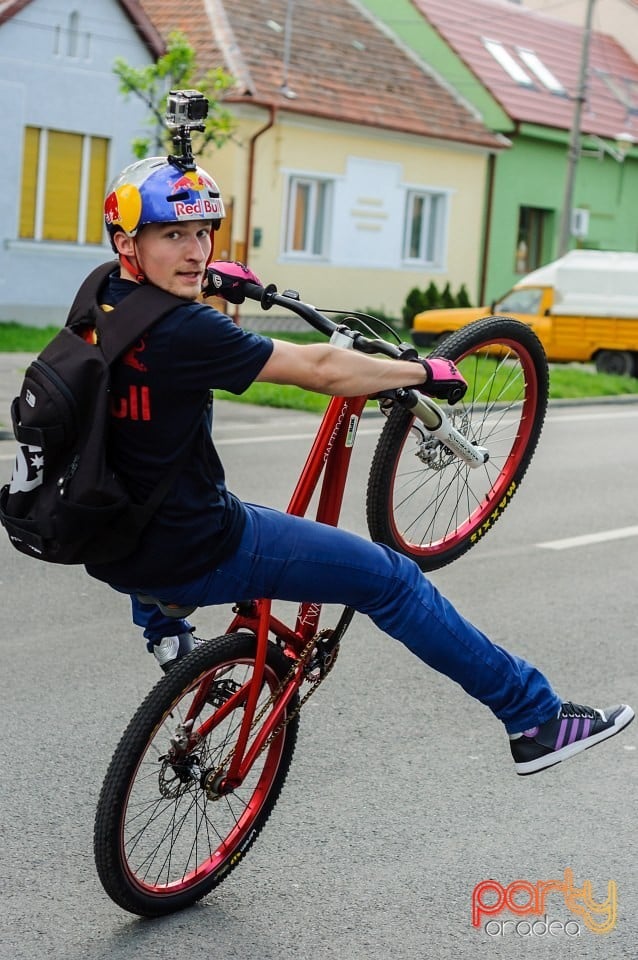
x: 229, y: 279
x: 444, y: 381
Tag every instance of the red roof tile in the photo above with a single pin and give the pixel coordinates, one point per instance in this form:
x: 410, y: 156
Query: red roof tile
x: 9, y: 8
x: 463, y: 24
x: 342, y: 65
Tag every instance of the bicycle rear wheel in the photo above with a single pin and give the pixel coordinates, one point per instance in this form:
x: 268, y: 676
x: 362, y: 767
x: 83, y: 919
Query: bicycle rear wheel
x: 161, y: 842
x: 421, y: 499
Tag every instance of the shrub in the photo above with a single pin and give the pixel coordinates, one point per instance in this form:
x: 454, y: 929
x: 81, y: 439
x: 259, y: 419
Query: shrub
x: 415, y: 302
x: 432, y: 299
x: 448, y: 300
x: 462, y: 297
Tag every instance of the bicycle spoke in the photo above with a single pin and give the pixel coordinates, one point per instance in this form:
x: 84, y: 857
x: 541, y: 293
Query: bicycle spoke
x: 174, y: 833
x: 425, y: 502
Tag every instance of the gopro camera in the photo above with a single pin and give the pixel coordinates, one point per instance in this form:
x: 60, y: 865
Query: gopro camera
x: 186, y: 108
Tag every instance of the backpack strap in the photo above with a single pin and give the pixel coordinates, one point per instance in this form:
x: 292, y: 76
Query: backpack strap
x: 86, y: 297
x: 128, y: 320
x: 118, y: 329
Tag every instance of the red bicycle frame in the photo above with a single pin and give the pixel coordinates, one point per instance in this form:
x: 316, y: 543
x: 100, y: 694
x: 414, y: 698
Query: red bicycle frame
x: 329, y: 455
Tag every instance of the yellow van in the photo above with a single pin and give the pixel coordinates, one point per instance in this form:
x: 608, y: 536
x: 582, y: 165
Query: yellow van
x: 583, y: 307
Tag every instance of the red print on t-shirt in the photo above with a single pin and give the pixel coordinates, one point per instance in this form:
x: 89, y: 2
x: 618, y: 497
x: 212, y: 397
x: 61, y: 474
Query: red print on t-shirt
x: 131, y: 359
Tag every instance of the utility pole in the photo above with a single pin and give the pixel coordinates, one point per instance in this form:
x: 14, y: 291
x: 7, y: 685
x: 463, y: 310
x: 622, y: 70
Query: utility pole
x: 573, y: 155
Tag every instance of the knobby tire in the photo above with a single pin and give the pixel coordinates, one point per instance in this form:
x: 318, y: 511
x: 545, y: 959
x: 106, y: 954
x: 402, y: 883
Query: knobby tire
x: 421, y: 499
x: 160, y: 843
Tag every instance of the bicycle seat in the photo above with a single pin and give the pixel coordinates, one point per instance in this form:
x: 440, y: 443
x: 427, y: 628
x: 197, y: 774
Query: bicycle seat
x: 168, y: 609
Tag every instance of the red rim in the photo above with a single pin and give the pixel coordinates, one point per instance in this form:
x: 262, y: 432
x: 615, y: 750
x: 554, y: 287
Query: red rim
x: 501, y: 487
x: 239, y: 836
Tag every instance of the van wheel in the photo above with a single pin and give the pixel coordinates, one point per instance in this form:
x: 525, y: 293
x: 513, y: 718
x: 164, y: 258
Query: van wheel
x: 619, y: 362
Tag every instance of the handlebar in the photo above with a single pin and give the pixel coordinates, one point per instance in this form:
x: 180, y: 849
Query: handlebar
x: 269, y: 296
x: 423, y: 407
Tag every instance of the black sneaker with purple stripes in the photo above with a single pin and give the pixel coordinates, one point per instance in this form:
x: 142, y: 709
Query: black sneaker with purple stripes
x: 574, y: 729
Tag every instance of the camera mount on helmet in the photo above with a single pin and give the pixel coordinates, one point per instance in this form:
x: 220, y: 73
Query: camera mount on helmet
x: 186, y: 110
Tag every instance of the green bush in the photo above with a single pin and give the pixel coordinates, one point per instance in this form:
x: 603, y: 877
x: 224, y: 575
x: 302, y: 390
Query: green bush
x: 414, y: 303
x: 432, y: 299
x: 462, y: 297
x: 448, y: 300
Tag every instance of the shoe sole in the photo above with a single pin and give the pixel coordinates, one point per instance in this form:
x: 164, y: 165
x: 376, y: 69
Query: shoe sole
x: 551, y: 759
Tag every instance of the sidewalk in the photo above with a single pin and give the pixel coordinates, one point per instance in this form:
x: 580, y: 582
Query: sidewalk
x: 12, y: 367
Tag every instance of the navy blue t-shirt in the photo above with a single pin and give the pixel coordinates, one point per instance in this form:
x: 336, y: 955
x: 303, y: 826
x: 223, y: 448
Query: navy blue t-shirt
x: 160, y: 387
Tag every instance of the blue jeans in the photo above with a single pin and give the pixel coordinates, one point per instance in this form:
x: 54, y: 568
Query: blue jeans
x: 289, y: 558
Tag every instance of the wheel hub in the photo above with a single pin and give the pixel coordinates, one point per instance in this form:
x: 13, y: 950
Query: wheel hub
x: 176, y: 777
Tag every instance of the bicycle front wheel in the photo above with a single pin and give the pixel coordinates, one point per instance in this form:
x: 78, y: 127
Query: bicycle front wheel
x: 421, y: 499
x: 163, y: 839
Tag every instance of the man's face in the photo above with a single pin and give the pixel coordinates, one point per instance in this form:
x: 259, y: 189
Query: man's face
x: 173, y: 256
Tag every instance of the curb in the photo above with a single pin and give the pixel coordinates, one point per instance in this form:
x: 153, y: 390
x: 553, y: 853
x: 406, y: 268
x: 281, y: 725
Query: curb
x: 624, y: 398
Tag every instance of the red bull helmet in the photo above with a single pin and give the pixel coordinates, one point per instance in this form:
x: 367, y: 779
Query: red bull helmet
x: 154, y: 190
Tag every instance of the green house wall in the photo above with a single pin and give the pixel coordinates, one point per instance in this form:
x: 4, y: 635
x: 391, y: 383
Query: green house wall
x: 530, y: 173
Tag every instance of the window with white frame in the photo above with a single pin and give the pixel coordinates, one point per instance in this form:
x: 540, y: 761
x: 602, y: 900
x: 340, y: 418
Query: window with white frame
x: 424, y: 237
x: 63, y: 185
x: 308, y: 215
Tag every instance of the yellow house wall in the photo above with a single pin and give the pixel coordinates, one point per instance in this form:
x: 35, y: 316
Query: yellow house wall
x: 317, y: 148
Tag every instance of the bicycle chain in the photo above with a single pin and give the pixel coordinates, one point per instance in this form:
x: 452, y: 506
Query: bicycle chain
x: 313, y: 681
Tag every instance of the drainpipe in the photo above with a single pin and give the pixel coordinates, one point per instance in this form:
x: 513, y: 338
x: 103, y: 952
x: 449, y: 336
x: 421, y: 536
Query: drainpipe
x: 249, y: 182
x: 487, y: 236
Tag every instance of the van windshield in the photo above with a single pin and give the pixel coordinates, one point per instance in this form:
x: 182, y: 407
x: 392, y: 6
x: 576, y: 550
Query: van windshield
x: 527, y: 300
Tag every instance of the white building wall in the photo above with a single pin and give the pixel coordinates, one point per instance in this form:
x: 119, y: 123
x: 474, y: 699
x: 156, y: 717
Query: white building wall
x: 44, y: 88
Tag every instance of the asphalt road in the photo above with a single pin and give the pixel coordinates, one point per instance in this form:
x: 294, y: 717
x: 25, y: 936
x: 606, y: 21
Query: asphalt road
x: 402, y: 796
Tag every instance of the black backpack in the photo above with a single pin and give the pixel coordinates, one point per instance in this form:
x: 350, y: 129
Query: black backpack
x: 64, y: 503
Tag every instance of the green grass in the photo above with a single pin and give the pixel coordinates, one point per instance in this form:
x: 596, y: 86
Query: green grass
x: 566, y: 381
x: 15, y: 338
x: 276, y: 395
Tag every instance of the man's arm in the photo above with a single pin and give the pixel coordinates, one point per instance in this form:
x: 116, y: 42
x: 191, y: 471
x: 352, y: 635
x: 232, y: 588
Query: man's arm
x: 337, y: 372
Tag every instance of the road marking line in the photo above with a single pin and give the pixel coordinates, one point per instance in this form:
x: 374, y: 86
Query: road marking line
x: 588, y: 538
x: 616, y: 414
x: 278, y: 438
x: 243, y: 441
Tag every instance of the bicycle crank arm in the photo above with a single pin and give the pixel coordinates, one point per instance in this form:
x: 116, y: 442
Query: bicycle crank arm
x: 436, y: 422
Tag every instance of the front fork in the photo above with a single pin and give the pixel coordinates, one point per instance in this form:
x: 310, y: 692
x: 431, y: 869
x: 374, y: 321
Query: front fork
x: 424, y: 408
x: 436, y: 422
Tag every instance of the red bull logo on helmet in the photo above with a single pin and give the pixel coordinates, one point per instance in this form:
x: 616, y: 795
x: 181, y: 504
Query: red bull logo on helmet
x: 123, y: 207
x: 205, y: 208
x: 111, y: 208
x: 193, y: 180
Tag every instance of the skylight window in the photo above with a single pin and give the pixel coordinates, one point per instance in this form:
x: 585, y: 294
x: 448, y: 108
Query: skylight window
x: 624, y: 90
x: 507, y: 62
x: 538, y: 68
